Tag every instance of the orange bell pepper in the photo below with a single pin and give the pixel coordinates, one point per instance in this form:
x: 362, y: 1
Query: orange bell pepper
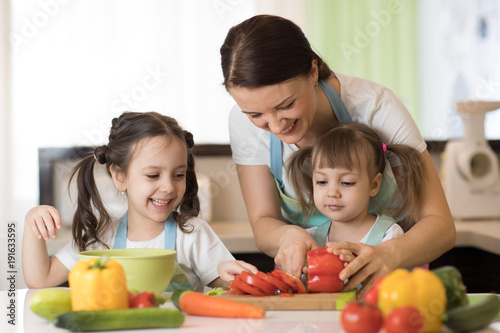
x: 419, y: 288
x: 98, y: 284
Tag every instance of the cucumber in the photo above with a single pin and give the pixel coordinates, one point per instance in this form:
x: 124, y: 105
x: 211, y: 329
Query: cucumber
x: 107, y: 320
x: 471, y: 317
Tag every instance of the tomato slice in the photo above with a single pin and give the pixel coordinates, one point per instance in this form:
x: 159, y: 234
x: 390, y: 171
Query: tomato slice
x: 295, y: 284
x: 235, y: 291
x: 251, y: 279
x: 282, y: 286
x: 249, y: 289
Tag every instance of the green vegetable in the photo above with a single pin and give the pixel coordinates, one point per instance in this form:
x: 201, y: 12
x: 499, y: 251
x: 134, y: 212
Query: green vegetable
x: 215, y: 291
x: 49, y: 303
x: 456, y: 292
x: 86, y: 321
x: 471, y: 317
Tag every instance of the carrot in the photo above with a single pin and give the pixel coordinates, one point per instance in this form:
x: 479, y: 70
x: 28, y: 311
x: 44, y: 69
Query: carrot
x: 198, y: 304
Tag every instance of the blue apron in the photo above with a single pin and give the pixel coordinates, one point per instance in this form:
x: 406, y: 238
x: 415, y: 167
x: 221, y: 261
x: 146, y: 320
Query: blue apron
x: 376, y: 235
x: 179, y: 279
x: 290, y: 205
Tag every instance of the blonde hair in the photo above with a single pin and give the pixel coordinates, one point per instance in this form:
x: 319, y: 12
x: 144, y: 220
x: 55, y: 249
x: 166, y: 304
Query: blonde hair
x: 347, y: 145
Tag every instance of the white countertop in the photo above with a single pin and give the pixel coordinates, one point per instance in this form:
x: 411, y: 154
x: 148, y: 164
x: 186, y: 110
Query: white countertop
x: 275, y: 321
x: 238, y: 236
x: 485, y: 235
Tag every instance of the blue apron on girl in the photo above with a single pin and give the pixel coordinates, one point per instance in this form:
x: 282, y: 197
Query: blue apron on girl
x: 291, y: 206
x: 179, y: 279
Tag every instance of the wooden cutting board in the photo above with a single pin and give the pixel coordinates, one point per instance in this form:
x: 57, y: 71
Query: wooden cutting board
x: 326, y: 301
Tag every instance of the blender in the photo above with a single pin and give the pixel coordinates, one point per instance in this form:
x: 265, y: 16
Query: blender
x: 470, y: 170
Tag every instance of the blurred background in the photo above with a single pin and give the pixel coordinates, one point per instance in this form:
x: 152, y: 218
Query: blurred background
x: 67, y: 67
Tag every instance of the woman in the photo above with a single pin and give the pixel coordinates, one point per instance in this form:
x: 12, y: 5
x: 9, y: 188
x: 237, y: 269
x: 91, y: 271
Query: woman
x: 281, y: 86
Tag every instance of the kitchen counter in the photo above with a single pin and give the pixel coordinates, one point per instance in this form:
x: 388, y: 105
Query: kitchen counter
x: 238, y: 236
x: 275, y: 321
x: 484, y: 235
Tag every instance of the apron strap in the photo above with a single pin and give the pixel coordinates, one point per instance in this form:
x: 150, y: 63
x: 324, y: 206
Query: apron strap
x: 170, y: 231
x: 179, y: 278
x: 276, y: 159
x: 336, y: 102
x: 321, y: 232
x: 377, y: 233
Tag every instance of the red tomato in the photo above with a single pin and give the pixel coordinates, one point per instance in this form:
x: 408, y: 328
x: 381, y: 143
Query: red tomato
x: 371, y: 296
x: 252, y: 280
x: 295, y: 284
x: 249, y: 289
x: 144, y: 299
x: 404, y: 319
x: 359, y: 317
x: 274, y: 281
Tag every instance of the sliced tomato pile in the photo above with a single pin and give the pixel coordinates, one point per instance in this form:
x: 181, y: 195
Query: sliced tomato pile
x: 265, y: 284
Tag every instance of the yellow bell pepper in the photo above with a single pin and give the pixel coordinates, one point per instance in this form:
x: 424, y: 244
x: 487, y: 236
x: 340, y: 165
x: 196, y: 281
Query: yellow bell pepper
x: 419, y: 288
x: 98, y: 284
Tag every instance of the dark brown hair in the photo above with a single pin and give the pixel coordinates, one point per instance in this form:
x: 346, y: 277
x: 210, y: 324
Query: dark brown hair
x: 347, y: 145
x: 126, y: 131
x: 265, y: 50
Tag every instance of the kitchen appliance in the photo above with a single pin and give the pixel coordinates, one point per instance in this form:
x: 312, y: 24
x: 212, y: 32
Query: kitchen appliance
x: 470, y: 169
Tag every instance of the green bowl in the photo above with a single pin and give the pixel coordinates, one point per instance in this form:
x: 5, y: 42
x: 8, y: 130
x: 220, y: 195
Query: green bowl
x: 145, y: 269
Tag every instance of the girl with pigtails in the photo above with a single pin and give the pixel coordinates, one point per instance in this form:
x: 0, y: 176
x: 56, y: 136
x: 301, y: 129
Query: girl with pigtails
x: 342, y: 174
x: 149, y: 158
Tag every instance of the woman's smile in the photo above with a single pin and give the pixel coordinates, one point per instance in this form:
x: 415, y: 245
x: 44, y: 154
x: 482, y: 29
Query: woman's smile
x: 290, y: 129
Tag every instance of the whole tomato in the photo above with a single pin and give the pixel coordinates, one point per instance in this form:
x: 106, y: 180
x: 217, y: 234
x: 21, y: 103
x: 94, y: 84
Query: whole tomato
x: 371, y: 296
x: 144, y: 299
x: 404, y: 319
x: 360, y: 317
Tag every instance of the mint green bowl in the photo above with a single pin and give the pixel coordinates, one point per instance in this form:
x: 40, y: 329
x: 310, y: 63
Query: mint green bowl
x: 145, y: 269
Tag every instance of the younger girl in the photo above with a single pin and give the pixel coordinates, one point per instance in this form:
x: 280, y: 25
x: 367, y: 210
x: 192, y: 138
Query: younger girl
x: 348, y: 162
x: 150, y: 161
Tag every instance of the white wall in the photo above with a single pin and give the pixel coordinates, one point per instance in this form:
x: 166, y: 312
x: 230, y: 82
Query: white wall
x: 77, y: 64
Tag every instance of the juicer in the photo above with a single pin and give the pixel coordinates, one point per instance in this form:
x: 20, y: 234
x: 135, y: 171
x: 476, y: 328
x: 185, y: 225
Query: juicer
x: 470, y: 169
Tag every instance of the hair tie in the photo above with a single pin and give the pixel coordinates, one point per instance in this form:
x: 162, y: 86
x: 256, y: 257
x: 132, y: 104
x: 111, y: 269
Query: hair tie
x: 384, y: 147
x: 99, y: 154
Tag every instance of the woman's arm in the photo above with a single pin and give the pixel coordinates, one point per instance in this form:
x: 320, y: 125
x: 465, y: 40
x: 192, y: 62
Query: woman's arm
x: 430, y: 237
x: 39, y: 270
x: 288, y: 244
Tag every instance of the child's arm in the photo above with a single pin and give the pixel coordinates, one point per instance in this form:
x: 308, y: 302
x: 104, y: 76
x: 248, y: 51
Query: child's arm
x: 228, y: 269
x: 39, y: 270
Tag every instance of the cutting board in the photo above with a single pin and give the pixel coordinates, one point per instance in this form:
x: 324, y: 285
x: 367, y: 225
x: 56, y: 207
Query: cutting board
x: 324, y: 301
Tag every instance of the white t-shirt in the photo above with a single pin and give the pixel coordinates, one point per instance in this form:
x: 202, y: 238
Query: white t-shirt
x: 367, y: 102
x: 394, y: 231
x: 198, y: 252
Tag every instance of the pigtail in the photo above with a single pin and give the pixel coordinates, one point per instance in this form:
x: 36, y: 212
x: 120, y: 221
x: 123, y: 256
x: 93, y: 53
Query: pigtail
x: 299, y: 172
x: 411, y: 182
x: 87, y: 226
x: 190, y: 204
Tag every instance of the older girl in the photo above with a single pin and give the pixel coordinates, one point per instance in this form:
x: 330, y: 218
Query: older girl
x: 150, y: 161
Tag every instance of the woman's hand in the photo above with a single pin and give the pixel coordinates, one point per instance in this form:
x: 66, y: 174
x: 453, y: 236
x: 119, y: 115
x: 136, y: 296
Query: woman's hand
x: 292, y: 254
x: 368, y: 264
x: 229, y: 268
x: 43, y: 221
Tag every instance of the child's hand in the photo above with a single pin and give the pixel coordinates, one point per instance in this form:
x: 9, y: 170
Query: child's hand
x: 344, y: 254
x: 43, y: 221
x: 229, y: 268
